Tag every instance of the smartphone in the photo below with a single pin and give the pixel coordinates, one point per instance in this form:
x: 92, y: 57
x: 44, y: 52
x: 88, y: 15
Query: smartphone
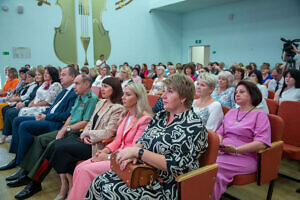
x: 221, y: 146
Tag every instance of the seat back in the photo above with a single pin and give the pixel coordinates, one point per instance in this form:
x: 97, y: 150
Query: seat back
x: 225, y: 109
x: 271, y: 94
x: 210, y: 155
x: 289, y: 112
x: 272, y: 106
x: 152, y: 99
x: 147, y: 83
x: 269, y: 160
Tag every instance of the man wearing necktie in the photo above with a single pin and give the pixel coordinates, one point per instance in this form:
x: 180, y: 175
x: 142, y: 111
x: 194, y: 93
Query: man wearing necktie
x: 277, y: 81
x: 52, y: 119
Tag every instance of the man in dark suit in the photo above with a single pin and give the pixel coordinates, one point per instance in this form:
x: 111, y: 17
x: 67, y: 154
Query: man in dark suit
x: 46, y: 122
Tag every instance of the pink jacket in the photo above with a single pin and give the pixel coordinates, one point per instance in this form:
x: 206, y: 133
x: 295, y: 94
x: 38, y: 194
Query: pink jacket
x: 134, y: 131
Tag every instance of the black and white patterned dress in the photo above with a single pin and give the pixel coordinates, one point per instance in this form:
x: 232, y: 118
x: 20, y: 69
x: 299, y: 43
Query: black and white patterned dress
x: 181, y: 142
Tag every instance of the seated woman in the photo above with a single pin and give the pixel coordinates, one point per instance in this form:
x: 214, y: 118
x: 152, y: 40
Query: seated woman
x: 158, y: 86
x: 266, y: 76
x: 66, y: 152
x: 291, y: 87
x: 135, y: 75
x: 238, y: 76
x: 104, y: 73
x: 206, y: 107
x: 223, y: 93
x: 63, y: 157
x: 125, y: 76
x: 244, y: 131
x: 9, y: 112
x: 172, y: 143
x: 11, y: 83
x: 257, y: 77
x: 45, y: 95
x: 189, y: 70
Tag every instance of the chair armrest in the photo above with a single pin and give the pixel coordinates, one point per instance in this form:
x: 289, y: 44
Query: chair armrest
x: 199, y: 181
x: 268, y: 162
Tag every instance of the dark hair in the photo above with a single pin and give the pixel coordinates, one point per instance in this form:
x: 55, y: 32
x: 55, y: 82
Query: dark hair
x: 101, y: 55
x: 232, y: 69
x: 13, y: 71
x: 192, y: 66
x: 53, y: 73
x: 23, y: 70
x: 136, y: 69
x: 278, y: 70
x: 255, y: 94
x: 85, y: 69
x: 242, y: 71
x: 258, y: 75
x: 117, y: 89
x: 72, y: 70
x: 295, y: 74
x: 248, y: 67
x: 31, y: 73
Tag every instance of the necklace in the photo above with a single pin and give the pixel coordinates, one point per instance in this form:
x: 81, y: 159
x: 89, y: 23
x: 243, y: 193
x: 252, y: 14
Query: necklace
x: 237, y: 114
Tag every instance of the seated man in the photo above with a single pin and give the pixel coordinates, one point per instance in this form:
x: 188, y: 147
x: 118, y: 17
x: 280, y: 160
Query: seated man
x: 49, y: 121
x: 33, y: 168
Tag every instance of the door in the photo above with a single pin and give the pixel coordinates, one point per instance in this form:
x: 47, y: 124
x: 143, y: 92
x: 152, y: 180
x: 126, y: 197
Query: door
x: 200, y: 54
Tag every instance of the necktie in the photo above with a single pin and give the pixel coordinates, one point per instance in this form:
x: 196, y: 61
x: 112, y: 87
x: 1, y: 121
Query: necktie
x: 277, y: 86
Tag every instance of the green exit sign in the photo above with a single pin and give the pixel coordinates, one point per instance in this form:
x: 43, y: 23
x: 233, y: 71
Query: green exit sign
x: 5, y: 53
x: 197, y: 41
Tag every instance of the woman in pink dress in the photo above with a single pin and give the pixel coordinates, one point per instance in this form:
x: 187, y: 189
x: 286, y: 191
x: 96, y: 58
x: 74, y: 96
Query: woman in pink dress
x: 135, y: 120
x: 244, y: 131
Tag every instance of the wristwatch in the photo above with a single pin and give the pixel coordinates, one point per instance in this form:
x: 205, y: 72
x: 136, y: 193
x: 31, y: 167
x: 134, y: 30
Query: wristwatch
x: 68, y: 128
x: 140, y: 154
x: 108, y: 156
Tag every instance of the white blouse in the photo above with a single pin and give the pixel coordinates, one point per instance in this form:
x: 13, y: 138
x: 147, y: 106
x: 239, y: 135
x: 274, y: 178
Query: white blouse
x: 211, y: 115
x: 292, y: 94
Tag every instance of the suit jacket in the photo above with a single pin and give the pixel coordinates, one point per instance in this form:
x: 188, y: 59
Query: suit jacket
x: 62, y: 112
x: 134, y: 131
x: 106, y: 124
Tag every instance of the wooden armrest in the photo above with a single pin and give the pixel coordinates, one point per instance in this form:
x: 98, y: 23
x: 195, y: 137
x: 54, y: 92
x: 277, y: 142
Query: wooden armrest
x: 196, y: 172
x: 273, y: 145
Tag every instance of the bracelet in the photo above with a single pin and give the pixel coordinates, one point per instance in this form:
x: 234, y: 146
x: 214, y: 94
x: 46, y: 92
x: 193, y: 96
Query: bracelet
x: 140, y: 153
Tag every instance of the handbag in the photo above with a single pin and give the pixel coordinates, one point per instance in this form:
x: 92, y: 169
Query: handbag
x: 134, y: 175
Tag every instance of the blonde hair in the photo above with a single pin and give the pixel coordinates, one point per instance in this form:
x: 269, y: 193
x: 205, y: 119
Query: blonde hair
x: 127, y: 70
x: 210, y: 79
x: 184, y: 86
x: 142, y: 104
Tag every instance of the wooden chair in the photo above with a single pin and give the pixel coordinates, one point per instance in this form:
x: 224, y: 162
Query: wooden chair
x: 225, y: 109
x: 152, y: 99
x: 147, y: 83
x: 199, y: 183
x: 272, y: 106
x: 2, y: 105
x: 271, y: 94
x: 268, y: 160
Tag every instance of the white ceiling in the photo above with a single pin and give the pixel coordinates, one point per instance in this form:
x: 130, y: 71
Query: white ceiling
x: 191, y: 5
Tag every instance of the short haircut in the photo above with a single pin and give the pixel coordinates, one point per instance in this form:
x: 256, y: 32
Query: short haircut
x: 209, y: 78
x: 192, y: 66
x: 85, y: 69
x: 117, y: 93
x: 107, y: 69
x: 184, y: 86
x: 53, y: 73
x: 72, y: 70
x: 13, y: 71
x: 127, y: 70
x: 242, y: 72
x: 31, y: 73
x: 278, y: 70
x: 255, y: 94
x: 86, y: 78
x: 228, y: 76
x: 258, y: 75
x: 23, y: 70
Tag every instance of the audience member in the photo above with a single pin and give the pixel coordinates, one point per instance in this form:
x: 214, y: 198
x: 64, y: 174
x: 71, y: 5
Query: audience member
x: 135, y: 75
x: 179, y: 68
x: 291, y: 87
x: 145, y: 70
x: 100, y: 62
x: 207, y: 108
x: 158, y: 86
x: 126, y: 76
x: 11, y: 82
x: 151, y: 72
x: 189, y: 70
x: 180, y: 152
x: 85, y: 70
x: 244, y: 132
x: 266, y: 76
x: 133, y: 123
x: 223, y: 93
x: 114, y: 71
x: 277, y: 81
x: 238, y: 76
x: 64, y: 153
x: 104, y: 73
